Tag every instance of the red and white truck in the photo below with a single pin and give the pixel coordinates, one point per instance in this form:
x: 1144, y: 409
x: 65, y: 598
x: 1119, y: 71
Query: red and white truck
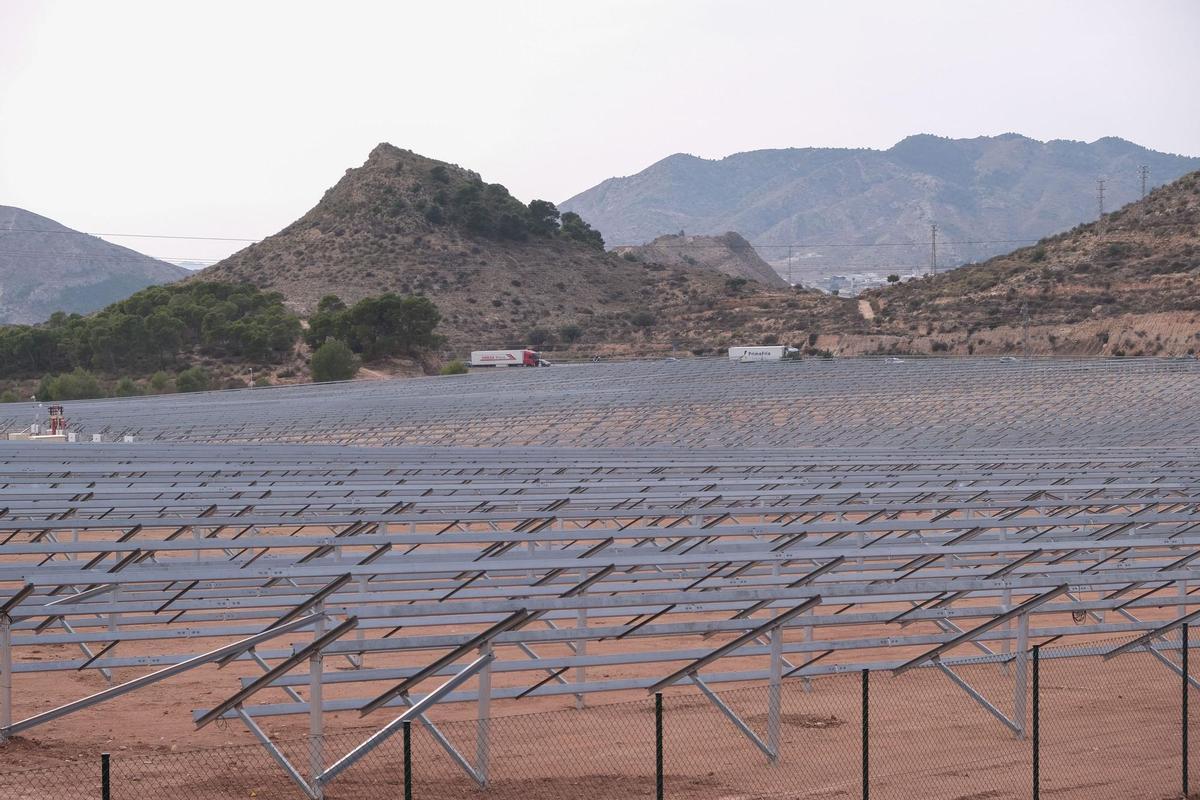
x: 507, y: 358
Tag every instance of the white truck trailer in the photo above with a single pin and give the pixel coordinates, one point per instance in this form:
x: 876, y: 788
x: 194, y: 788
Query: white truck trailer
x: 761, y: 353
x: 507, y: 358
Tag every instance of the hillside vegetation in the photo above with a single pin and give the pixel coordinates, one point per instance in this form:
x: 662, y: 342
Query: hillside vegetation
x: 1140, y: 259
x: 1126, y: 284
x: 153, y: 329
x: 502, y: 273
x: 202, y: 335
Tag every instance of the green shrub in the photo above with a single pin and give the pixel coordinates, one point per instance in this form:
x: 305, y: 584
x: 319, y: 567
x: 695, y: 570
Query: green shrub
x: 160, y: 382
x: 77, y: 385
x: 389, y: 324
x: 127, y: 388
x: 538, y: 337
x: 454, y: 367
x: 9, y: 396
x: 333, y: 361
x: 570, y: 333
x: 193, y: 379
x: 574, y: 227
x: 735, y: 285
x: 543, y: 218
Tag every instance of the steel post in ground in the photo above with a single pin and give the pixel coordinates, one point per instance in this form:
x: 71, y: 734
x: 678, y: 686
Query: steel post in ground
x: 1006, y: 599
x: 581, y: 622
x: 6, y: 681
x: 658, y: 745
x: 316, y: 719
x: 866, y: 734
x: 105, y: 777
x: 775, y: 695
x: 1184, y: 707
x: 1037, y: 723
x: 408, y: 760
x: 483, y: 718
x: 1021, y: 675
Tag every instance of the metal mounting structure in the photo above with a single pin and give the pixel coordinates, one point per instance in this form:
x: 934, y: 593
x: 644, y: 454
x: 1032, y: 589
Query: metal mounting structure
x: 495, y: 574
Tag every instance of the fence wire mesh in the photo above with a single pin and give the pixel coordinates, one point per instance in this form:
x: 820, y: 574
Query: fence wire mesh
x: 707, y: 756
x: 933, y: 739
x: 224, y: 772
x: 73, y: 780
x: 1192, y: 720
x: 1108, y: 729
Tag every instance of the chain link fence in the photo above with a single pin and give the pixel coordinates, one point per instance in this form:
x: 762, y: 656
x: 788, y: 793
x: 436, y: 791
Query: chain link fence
x: 1056, y: 723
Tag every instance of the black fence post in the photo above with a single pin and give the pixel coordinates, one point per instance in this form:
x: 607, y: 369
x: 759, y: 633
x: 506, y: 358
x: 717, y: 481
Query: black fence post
x: 866, y: 734
x: 658, y: 745
x: 407, y: 759
x: 1184, y: 707
x: 105, y: 778
x: 1037, y: 722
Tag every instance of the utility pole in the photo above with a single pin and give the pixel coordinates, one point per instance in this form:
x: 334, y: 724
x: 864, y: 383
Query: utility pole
x: 933, y: 248
x: 1144, y: 172
x: 1100, y: 197
x: 1025, y: 326
x: 791, y: 278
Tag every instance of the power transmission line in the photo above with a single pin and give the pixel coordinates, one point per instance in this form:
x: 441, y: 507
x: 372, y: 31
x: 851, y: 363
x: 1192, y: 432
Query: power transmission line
x: 837, y: 244
x: 1144, y: 172
x: 756, y: 246
x: 105, y: 257
x: 1025, y: 327
x: 933, y: 248
x: 130, y: 235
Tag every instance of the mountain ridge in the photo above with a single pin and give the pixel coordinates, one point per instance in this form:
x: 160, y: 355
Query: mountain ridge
x: 502, y: 273
x: 729, y: 254
x: 46, y: 266
x: 1143, y: 258
x: 983, y: 193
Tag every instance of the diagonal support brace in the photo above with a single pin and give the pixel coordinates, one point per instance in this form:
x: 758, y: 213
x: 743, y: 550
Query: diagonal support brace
x: 975, y: 695
x: 415, y: 710
x: 732, y: 716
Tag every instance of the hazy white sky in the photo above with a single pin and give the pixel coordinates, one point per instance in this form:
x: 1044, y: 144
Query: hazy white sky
x: 231, y: 118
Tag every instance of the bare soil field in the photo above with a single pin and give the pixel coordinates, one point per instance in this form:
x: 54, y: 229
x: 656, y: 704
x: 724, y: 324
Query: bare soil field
x: 1110, y: 730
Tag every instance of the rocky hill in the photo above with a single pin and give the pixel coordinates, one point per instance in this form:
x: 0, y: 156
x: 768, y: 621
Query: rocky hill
x: 983, y: 193
x: 1128, y: 284
x: 501, y: 272
x: 729, y: 253
x: 47, y: 267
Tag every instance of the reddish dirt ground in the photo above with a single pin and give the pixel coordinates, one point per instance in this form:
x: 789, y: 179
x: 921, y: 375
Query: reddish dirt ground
x: 1110, y: 730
